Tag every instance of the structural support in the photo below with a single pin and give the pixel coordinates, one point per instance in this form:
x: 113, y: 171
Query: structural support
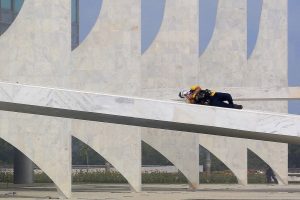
x: 23, y: 168
x: 150, y: 113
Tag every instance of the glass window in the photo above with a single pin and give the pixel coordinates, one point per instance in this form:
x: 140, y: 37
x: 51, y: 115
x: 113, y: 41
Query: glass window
x: 17, y: 5
x: 75, y: 23
x: 74, y: 11
x: 6, y: 4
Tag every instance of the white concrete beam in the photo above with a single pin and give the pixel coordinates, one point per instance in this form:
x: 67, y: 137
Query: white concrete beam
x: 150, y: 113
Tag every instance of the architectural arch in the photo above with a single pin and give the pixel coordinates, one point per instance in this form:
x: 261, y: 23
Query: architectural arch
x: 123, y: 151
x: 181, y: 149
x: 231, y: 151
x: 50, y: 150
x: 276, y: 157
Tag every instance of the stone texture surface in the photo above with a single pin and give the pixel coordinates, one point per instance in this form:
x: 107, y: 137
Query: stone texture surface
x: 266, y: 152
x: 150, y: 113
x: 113, y: 64
x: 268, y: 67
x: 171, y: 60
x: 182, y: 149
x: 36, y: 50
x: 232, y: 152
x: 50, y: 150
x: 108, y: 61
x: 226, y: 56
x: 121, y: 147
x: 262, y: 93
x: 168, y: 64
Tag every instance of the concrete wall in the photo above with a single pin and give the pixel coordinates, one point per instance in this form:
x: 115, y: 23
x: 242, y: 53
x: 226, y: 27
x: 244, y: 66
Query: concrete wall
x: 232, y: 152
x: 112, y: 63
x: 182, y: 149
x: 168, y: 64
x: 36, y: 50
x: 226, y: 56
x: 108, y: 61
x: 268, y: 67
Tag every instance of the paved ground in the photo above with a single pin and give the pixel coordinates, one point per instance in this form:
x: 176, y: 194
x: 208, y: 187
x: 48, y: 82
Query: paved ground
x: 154, y: 192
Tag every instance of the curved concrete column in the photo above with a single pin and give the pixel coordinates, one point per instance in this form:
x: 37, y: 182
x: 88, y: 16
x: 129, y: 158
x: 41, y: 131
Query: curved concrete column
x: 275, y: 155
x: 226, y: 53
x: 36, y: 47
x: 35, y: 50
x: 108, y: 61
x: 168, y: 64
x: 121, y: 147
x: 182, y: 149
x: 50, y: 150
x: 171, y: 61
x: 231, y: 151
x: 267, y: 66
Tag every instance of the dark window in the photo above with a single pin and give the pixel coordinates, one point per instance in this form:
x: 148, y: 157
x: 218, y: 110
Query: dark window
x: 75, y: 23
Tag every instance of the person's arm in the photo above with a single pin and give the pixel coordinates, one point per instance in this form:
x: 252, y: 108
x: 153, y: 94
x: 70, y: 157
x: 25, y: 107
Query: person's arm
x: 190, y: 99
x: 192, y: 96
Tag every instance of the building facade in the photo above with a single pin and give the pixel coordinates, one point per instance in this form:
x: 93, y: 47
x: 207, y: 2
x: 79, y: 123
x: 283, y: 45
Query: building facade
x: 109, y: 60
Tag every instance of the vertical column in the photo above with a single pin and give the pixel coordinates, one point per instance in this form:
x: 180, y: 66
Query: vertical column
x: 23, y: 168
x: 35, y: 50
x: 108, y: 61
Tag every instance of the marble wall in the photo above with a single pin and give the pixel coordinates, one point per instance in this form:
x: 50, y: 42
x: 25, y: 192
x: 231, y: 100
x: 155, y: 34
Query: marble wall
x: 225, y: 64
x: 36, y: 50
x: 109, y: 61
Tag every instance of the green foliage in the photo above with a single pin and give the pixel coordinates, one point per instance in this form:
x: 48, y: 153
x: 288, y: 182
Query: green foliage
x: 6, y: 177
x: 41, y: 178
x: 217, y: 177
x: 163, y: 178
x: 98, y: 177
x: 256, y: 178
x: 220, y: 177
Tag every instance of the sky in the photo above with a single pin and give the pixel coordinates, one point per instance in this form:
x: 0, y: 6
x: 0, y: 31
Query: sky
x: 152, y: 15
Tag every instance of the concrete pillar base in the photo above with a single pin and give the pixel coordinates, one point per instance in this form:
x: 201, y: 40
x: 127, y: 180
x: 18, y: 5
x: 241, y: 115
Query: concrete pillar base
x: 23, y: 168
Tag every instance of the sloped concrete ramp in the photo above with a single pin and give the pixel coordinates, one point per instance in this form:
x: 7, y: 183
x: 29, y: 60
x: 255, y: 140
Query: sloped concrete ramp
x: 149, y: 113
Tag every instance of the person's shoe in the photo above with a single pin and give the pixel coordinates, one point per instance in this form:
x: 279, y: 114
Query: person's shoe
x: 238, y: 106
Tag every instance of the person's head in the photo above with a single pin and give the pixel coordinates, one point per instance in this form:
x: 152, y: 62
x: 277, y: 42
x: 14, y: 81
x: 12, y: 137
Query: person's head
x: 183, y: 93
x: 194, y: 87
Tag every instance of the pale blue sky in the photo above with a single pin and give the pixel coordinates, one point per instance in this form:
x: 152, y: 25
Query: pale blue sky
x: 152, y: 14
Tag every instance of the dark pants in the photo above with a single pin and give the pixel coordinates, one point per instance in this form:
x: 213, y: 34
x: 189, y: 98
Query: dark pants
x: 270, y: 177
x: 219, y: 100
